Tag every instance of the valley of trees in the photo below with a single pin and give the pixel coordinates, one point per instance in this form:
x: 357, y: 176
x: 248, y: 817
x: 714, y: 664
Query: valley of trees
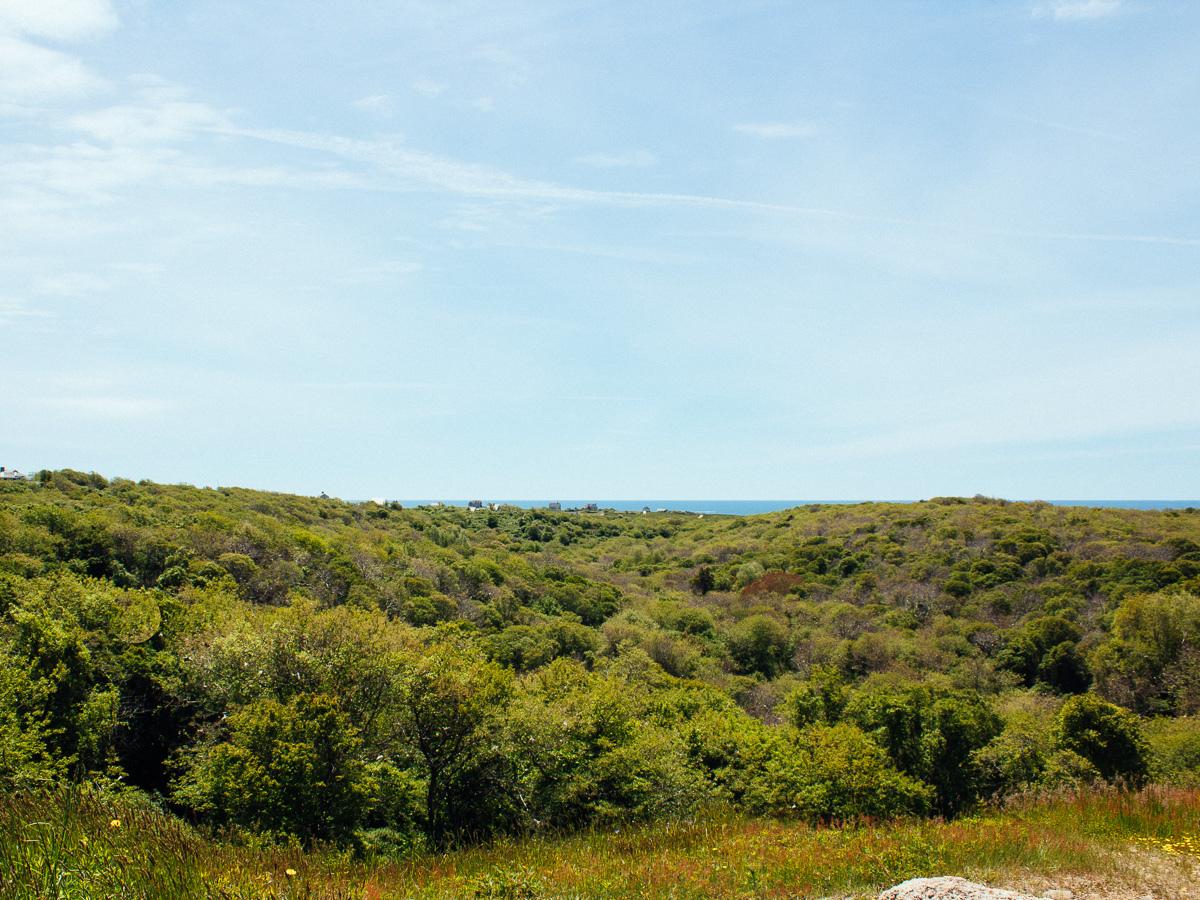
x: 386, y: 678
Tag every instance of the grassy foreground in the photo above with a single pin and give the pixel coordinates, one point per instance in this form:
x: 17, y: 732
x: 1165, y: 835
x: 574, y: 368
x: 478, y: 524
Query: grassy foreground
x: 72, y: 844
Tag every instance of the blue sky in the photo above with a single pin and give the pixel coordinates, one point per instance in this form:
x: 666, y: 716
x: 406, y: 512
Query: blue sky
x: 692, y: 248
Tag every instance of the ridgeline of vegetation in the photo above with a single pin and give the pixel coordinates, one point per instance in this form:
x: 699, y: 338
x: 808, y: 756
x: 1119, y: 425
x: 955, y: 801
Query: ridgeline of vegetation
x: 288, y: 667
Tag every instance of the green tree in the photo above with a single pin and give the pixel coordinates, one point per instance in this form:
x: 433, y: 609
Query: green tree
x: 835, y: 772
x: 1151, y: 662
x: 930, y: 733
x: 288, y: 768
x: 702, y: 582
x: 758, y: 644
x: 1109, y: 737
x: 820, y: 699
x: 450, y: 698
x: 590, y: 748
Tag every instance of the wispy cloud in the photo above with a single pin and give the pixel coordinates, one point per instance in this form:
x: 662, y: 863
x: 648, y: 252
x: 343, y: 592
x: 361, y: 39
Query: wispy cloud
x: 60, y: 20
x: 12, y: 309
x: 144, y: 146
x: 633, y: 159
x: 1063, y: 126
x: 99, y: 394
x: 172, y: 120
x: 1124, y: 239
x: 418, y: 170
x: 776, y: 130
x: 368, y: 385
x: 110, y: 407
x: 1077, y: 10
x: 33, y: 74
x: 384, y: 271
x: 376, y: 104
x: 427, y: 87
x: 70, y: 284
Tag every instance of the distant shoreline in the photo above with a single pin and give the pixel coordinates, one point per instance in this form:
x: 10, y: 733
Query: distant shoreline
x: 758, y: 507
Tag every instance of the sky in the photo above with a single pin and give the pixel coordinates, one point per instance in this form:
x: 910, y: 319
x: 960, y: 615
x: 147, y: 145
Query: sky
x: 721, y: 249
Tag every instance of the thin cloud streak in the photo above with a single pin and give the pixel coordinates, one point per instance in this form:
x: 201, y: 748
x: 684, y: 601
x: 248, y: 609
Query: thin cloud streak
x: 107, y: 407
x: 1078, y: 10
x: 436, y: 172
x: 477, y: 180
x: 1123, y: 238
x: 777, y: 130
x: 634, y: 159
x: 95, y: 174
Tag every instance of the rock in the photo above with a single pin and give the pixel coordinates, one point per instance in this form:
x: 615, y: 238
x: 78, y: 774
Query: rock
x: 948, y: 888
x: 1058, y: 895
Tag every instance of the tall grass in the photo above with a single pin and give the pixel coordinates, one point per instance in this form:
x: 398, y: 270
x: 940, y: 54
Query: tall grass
x: 71, y: 843
x: 74, y: 844
x: 1167, y: 818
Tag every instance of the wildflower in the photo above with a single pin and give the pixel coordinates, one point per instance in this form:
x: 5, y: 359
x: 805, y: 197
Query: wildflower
x: 115, y: 823
x: 290, y: 873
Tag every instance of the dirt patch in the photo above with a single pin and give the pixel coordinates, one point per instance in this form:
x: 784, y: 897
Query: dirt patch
x: 1132, y: 874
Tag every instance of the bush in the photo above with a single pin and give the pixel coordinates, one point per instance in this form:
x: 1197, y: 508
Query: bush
x: 287, y: 770
x: 1108, y: 737
x: 758, y: 644
x: 835, y: 773
x: 820, y: 699
x: 587, y: 751
x: 1150, y: 664
x: 1175, y: 749
x: 931, y: 734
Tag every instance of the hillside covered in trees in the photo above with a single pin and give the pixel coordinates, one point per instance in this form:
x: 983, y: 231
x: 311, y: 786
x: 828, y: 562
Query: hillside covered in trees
x: 385, y: 677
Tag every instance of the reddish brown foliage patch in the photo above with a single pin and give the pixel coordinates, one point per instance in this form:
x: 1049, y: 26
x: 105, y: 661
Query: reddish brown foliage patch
x: 772, y: 583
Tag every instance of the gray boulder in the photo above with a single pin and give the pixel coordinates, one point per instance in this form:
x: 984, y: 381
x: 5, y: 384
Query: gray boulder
x: 950, y: 888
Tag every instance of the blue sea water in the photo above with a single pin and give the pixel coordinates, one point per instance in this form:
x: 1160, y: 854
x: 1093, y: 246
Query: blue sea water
x: 756, y: 507
x: 1132, y: 504
x: 726, y: 507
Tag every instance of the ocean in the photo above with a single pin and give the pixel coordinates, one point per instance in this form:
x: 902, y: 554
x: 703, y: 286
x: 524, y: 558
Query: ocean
x: 756, y: 507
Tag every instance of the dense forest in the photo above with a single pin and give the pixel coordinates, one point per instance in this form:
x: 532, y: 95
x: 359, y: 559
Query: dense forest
x: 384, y: 677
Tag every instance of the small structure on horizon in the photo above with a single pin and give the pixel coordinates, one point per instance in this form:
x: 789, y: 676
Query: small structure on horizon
x: 589, y: 507
x: 645, y: 509
x: 556, y: 507
x: 12, y: 475
x: 475, y: 504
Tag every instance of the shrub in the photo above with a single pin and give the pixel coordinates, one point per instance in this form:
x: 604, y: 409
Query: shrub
x: 288, y: 769
x: 931, y: 734
x: 758, y: 644
x: 820, y: 699
x: 835, y: 772
x: 1175, y: 749
x: 587, y: 750
x: 1108, y: 737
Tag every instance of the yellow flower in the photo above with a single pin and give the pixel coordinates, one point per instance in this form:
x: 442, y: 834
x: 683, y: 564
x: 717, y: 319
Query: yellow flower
x: 115, y: 823
x: 289, y: 872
